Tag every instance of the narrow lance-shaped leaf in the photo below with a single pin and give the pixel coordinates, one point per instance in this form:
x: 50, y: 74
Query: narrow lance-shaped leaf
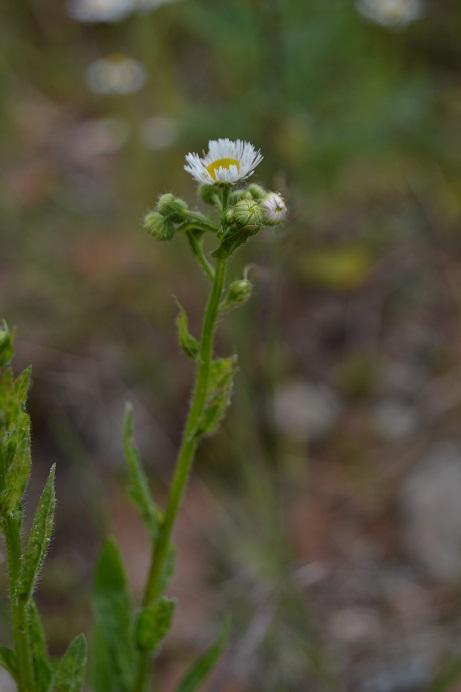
x: 205, y: 664
x: 40, y: 658
x: 154, y: 623
x: 114, y: 631
x: 139, y: 487
x: 219, y: 394
x: 188, y: 343
x: 70, y: 671
x: 8, y: 660
x: 38, y: 540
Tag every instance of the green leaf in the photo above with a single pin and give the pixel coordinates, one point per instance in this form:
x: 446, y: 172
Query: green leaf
x: 219, y: 394
x: 154, y: 623
x: 139, y: 487
x: 188, y: 343
x: 205, y: 664
x: 70, y: 671
x: 8, y: 660
x: 114, y: 631
x: 40, y: 658
x: 6, y: 345
x: 16, y: 462
x: 38, y: 540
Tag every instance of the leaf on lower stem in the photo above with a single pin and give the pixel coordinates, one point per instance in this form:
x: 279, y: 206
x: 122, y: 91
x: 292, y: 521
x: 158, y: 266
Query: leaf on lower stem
x: 8, y: 660
x: 188, y: 343
x: 139, y: 486
x: 219, y: 394
x: 70, y: 671
x: 205, y: 664
x: 40, y: 658
x: 113, y: 651
x: 153, y: 623
x: 38, y: 540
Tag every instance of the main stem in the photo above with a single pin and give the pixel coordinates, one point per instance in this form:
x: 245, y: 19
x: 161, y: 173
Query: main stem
x: 189, y: 443
x: 25, y: 673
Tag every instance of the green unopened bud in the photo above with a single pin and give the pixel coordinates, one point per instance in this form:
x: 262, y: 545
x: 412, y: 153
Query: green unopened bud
x: 207, y: 193
x: 6, y: 345
x: 158, y: 226
x: 256, y: 191
x: 248, y: 214
x: 238, y: 293
x: 173, y: 207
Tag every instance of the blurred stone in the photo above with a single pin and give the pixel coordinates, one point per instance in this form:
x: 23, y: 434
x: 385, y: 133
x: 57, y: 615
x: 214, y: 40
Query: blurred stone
x: 304, y: 411
x: 6, y: 682
x: 395, y: 420
x: 430, y: 502
x: 356, y: 625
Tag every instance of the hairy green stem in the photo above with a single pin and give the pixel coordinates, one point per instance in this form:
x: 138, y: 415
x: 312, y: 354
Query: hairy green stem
x: 197, y: 249
x: 19, y: 618
x: 190, y: 440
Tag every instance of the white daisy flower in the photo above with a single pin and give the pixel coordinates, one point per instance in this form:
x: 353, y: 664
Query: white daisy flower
x: 391, y: 13
x: 225, y: 162
x: 99, y: 10
x: 274, y: 208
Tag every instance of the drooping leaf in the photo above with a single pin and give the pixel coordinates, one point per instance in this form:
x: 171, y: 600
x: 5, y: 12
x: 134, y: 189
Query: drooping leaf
x: 40, y: 658
x: 154, y: 623
x: 70, y: 671
x: 139, y: 487
x: 205, y: 664
x: 8, y: 660
x: 114, y: 631
x: 188, y: 343
x: 38, y: 540
x: 219, y: 394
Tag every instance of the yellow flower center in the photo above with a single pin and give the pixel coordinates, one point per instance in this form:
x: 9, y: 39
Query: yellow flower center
x: 221, y: 163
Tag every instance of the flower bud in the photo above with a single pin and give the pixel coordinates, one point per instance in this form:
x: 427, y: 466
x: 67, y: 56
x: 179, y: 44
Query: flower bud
x: 273, y: 208
x: 248, y: 214
x: 256, y: 191
x: 172, y: 207
x: 158, y: 226
x: 6, y: 345
x: 238, y: 293
x: 207, y: 193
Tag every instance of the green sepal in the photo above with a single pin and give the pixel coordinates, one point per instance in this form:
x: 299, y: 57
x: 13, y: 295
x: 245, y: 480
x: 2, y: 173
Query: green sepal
x: 188, y: 343
x: 113, y: 651
x: 70, y: 670
x: 139, y: 487
x: 234, y: 238
x: 39, y: 650
x: 38, y: 540
x: 219, y: 394
x: 153, y: 623
x: 8, y: 661
x: 205, y: 664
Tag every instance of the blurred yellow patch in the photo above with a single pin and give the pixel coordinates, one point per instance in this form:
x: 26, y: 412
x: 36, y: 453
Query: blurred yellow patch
x: 340, y: 269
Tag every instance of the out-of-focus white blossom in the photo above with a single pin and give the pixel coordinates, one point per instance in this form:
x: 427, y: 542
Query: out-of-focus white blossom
x: 100, y: 10
x: 93, y: 11
x: 391, y: 13
x: 116, y: 74
x: 159, y: 132
x: 98, y: 137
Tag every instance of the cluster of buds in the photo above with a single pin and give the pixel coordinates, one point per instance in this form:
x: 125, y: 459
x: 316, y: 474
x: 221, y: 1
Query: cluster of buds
x: 244, y: 209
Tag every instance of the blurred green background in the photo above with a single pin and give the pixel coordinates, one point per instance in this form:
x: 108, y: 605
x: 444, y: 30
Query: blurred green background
x: 325, y: 516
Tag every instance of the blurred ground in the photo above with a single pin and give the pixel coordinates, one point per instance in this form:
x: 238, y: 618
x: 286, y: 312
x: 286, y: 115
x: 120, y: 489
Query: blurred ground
x: 325, y: 515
